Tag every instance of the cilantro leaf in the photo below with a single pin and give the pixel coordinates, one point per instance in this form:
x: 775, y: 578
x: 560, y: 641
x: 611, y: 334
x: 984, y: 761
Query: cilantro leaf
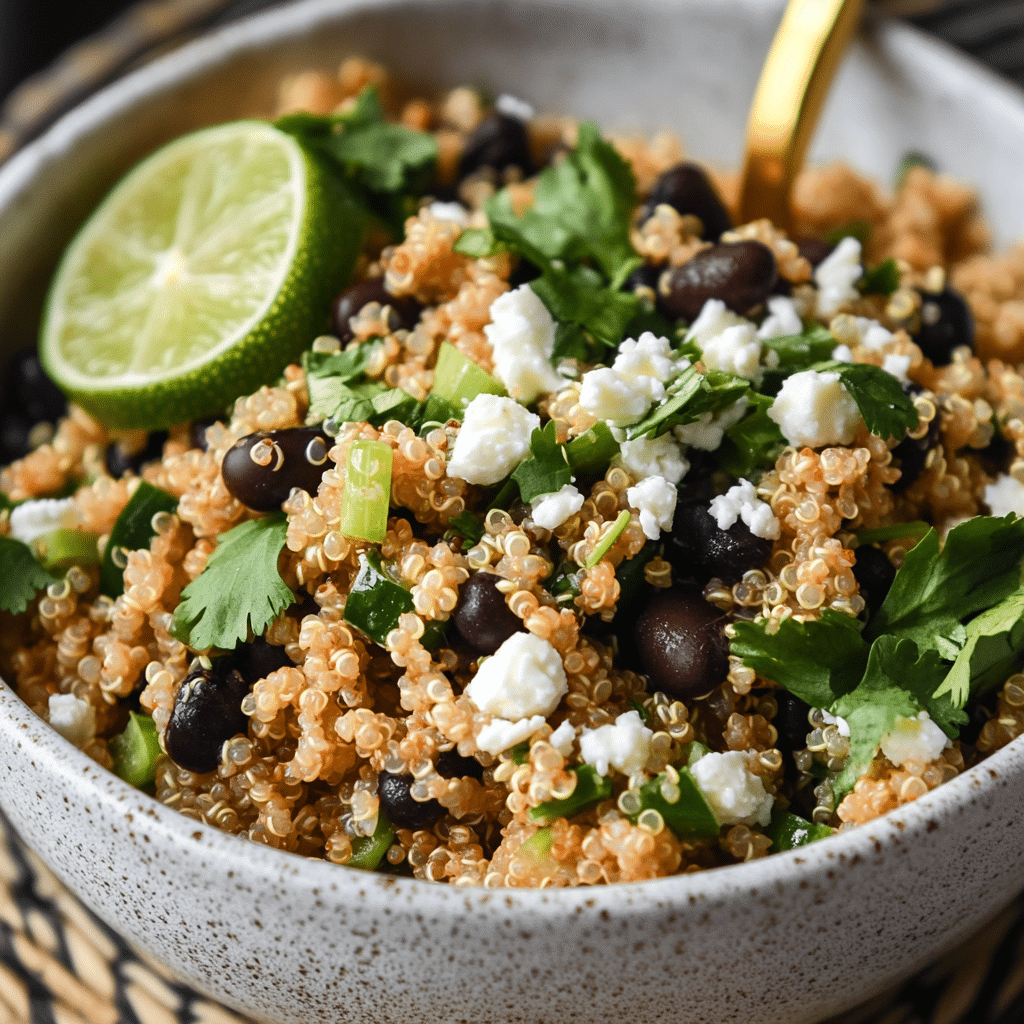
x: 754, y: 443
x: 881, y: 280
x: 688, y: 397
x: 994, y: 646
x: 886, y: 408
x: 798, y: 351
x: 547, y: 470
x: 933, y: 592
x: 818, y: 661
x: 240, y: 588
x: 21, y: 576
x: 344, y: 366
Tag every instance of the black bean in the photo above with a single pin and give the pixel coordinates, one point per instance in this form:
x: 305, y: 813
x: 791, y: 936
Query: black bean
x: 256, y: 660
x: 197, y: 432
x: 406, y: 309
x: 874, y: 574
x: 498, y: 141
x: 946, y: 323
x: 524, y: 273
x: 31, y: 389
x: 911, y: 454
x: 791, y: 721
x: 697, y: 546
x: 519, y: 510
x: 207, y: 712
x: 261, y: 469
x: 815, y: 250
x: 398, y: 804
x: 979, y: 711
x: 119, y: 460
x: 682, y: 647
x: 481, y: 616
x: 645, y: 276
x: 450, y: 764
x: 741, y: 274
x: 688, y: 189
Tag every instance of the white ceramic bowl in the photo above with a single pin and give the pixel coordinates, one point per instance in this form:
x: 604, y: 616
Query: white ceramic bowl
x: 789, y: 939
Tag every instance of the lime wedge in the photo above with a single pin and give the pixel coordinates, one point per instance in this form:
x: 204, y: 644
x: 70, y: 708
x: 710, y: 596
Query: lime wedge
x: 200, y: 277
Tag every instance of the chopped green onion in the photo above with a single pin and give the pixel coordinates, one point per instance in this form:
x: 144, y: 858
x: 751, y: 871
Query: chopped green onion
x: 590, y: 788
x: 688, y: 814
x: 369, y: 851
x: 132, y: 530
x: 640, y: 710
x: 538, y: 846
x: 591, y: 452
x: 610, y: 537
x: 135, y: 751
x: 915, y: 529
x: 365, y: 503
x: 787, y: 831
x: 376, y: 603
x: 61, y: 549
x: 458, y: 380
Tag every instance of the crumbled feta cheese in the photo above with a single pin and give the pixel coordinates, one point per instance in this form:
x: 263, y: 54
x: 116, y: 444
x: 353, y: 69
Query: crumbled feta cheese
x: 914, y: 739
x: 837, y: 720
x: 713, y: 318
x: 837, y: 275
x: 842, y: 354
x: 735, y: 794
x: 450, y: 211
x: 73, y: 718
x: 1004, y: 496
x: 499, y: 734
x: 522, y: 337
x: 654, y: 456
x: 897, y: 366
x: 624, y: 744
x: 523, y: 677
x: 655, y: 500
x: 782, y: 319
x: 606, y: 395
x: 741, y: 501
x: 513, y: 106
x: 647, y: 362
x: 493, y: 440
x: 736, y: 350
x: 814, y: 409
x: 551, y: 510
x: 32, y: 519
x: 562, y: 738
x: 708, y: 430
x: 872, y: 334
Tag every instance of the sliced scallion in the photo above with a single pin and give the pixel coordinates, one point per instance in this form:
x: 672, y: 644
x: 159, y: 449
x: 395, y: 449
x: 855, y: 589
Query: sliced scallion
x: 135, y: 751
x: 590, y: 788
x: 365, y: 503
x: 688, y: 814
x: 610, y: 537
x: 369, y: 851
x: 787, y: 831
x: 58, y: 550
x: 458, y: 380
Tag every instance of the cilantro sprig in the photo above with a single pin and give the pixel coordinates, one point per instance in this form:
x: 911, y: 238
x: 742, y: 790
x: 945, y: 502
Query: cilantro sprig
x: 547, y: 469
x: 687, y: 398
x: 239, y: 590
x: 339, y: 389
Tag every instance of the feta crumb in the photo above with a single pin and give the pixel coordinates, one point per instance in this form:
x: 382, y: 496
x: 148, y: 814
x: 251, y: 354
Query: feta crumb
x: 551, y: 510
x: 837, y: 720
x: 624, y: 744
x: 623, y: 392
x: 814, y: 409
x: 741, y: 501
x: 450, y: 211
x: 647, y: 362
x: 708, y: 430
x: 872, y: 334
x: 32, y: 519
x: 897, y: 366
x: 782, y: 319
x: 523, y: 677
x: 499, y: 734
x: 73, y: 718
x: 522, y: 337
x: 842, y: 354
x: 563, y: 737
x: 493, y: 440
x: 655, y: 500
x: 837, y: 275
x: 653, y: 456
x: 735, y: 794
x: 513, y: 106
x: 608, y: 396
x: 1004, y: 496
x: 713, y: 318
x: 914, y: 739
x: 736, y: 350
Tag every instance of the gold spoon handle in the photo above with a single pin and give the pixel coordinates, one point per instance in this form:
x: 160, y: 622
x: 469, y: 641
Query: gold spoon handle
x: 805, y: 54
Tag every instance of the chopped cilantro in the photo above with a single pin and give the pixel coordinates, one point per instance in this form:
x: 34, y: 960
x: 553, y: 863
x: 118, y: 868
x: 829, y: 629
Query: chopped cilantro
x: 754, y: 443
x: 590, y: 453
x: 547, y: 470
x: 478, y: 243
x: 239, y: 590
x: 467, y: 525
x: 796, y: 352
x: 688, y: 397
x: 881, y: 280
x: 886, y: 408
x: 21, y: 576
x: 613, y: 534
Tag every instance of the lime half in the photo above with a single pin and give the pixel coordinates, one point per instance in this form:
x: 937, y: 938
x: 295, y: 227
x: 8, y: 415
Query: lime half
x: 204, y: 272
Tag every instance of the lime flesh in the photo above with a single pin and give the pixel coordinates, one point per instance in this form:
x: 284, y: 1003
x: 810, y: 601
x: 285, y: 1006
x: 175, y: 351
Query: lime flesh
x: 204, y: 272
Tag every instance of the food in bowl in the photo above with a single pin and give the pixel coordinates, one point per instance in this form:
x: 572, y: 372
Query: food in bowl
x: 600, y: 539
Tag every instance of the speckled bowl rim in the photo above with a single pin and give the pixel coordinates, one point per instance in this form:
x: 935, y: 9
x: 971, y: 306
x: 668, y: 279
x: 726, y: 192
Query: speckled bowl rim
x: 86, y: 779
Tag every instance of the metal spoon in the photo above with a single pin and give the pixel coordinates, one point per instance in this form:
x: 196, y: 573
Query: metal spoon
x: 805, y: 55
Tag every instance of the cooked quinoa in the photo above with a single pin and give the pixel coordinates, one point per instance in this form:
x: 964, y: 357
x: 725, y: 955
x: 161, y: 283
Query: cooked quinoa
x: 523, y: 719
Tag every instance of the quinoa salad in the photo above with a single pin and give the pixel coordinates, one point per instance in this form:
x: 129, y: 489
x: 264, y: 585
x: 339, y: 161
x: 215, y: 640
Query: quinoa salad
x: 596, y: 537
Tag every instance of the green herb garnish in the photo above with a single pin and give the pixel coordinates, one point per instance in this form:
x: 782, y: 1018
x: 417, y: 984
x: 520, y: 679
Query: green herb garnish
x: 886, y: 408
x: 687, y: 398
x: 590, y: 788
x: 547, y: 470
x: 21, y: 576
x: 881, y: 280
x: 369, y: 851
x: 689, y: 815
x: 135, y: 751
x: 787, y: 831
x: 132, y: 530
